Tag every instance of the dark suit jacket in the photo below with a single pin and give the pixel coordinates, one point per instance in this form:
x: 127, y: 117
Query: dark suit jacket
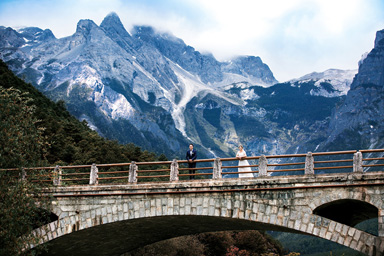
x: 194, y: 155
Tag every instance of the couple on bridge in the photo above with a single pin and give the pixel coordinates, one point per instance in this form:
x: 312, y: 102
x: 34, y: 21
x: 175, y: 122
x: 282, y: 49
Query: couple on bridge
x: 241, y: 154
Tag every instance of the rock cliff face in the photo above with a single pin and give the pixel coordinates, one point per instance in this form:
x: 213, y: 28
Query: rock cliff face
x: 152, y: 89
x: 359, y: 121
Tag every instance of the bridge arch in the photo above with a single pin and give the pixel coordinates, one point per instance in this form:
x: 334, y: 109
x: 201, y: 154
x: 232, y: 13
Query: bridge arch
x: 347, y: 211
x: 132, y: 222
x: 356, y: 194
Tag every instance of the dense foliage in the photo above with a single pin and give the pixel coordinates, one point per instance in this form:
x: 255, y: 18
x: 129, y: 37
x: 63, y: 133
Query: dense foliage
x: 21, y: 200
x: 229, y: 243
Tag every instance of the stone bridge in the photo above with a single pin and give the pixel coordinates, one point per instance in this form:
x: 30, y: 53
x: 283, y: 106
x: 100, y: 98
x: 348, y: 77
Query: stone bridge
x: 115, y: 219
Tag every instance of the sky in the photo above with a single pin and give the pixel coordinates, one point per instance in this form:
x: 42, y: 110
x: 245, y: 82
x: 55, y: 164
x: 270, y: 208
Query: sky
x: 293, y: 37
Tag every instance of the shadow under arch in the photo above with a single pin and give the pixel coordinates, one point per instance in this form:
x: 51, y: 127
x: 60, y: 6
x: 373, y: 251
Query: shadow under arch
x: 44, y: 216
x: 347, y: 211
x: 123, y: 236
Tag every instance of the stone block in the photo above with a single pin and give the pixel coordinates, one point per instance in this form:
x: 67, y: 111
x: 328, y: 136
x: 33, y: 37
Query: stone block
x: 255, y: 207
x: 49, y: 236
x: 182, y: 202
x: 381, y: 246
x: 273, y: 219
x: 170, y: 202
x: 335, y: 237
x: 52, y: 226
x: 357, y: 235
x: 235, y: 213
x: 305, y: 219
x: 211, y: 211
x: 229, y: 204
x: 89, y: 223
x: 303, y: 227
x: 347, y: 241
x: 360, y: 246
x: 262, y: 208
x: 310, y: 228
x: 338, y: 227
x: 188, y: 209
x: 266, y: 219
x: 205, y: 211
x: 341, y: 240
x: 268, y: 210
x: 237, y: 204
x: 176, y: 210
x: 260, y: 217
x: 328, y: 235
x: 291, y: 223
x: 199, y: 201
x: 297, y: 224
x: 206, y: 201
x: 176, y: 201
x: 170, y: 210
x: 351, y: 232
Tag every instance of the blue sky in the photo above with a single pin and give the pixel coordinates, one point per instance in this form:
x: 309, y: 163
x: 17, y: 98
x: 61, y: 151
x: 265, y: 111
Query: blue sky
x: 293, y: 37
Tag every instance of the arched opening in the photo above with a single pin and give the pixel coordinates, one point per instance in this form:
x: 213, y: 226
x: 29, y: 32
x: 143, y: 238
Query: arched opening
x: 44, y: 217
x: 120, y: 237
x: 347, y: 211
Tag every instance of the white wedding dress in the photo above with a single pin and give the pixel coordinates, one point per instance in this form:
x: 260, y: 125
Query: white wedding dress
x: 243, y: 163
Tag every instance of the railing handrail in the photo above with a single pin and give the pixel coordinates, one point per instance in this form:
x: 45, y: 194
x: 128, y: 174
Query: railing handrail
x: 198, y: 160
x: 217, y: 170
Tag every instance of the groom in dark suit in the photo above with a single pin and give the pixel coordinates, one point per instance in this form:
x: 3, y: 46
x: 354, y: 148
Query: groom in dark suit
x: 191, y: 157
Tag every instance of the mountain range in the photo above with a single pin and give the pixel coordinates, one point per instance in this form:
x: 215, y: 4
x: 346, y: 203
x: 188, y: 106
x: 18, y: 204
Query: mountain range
x: 150, y: 88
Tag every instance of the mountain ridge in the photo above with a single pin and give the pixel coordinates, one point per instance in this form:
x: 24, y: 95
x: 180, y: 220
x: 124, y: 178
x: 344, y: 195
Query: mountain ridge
x: 152, y: 89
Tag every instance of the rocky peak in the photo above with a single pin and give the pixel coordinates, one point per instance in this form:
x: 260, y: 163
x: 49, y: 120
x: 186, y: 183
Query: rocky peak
x: 362, y: 110
x: 10, y: 38
x: 84, y: 27
x: 250, y: 66
x: 36, y: 34
x: 116, y: 31
x: 371, y: 70
x: 379, y: 37
x: 112, y: 22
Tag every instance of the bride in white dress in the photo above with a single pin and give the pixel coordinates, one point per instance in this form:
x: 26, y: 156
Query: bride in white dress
x: 240, y: 155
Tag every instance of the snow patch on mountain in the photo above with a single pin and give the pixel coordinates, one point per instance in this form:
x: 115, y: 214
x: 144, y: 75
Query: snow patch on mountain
x: 249, y: 94
x: 341, y: 81
x: 190, y: 85
x: 231, y: 78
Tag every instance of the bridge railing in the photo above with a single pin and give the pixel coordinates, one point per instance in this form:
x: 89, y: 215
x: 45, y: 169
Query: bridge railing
x: 218, y: 168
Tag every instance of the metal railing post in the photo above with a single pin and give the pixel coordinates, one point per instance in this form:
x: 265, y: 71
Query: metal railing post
x: 358, y: 162
x: 57, y: 176
x: 174, y: 175
x: 309, y: 164
x: 132, y: 172
x: 217, y: 169
x: 94, y: 177
x: 263, y: 166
